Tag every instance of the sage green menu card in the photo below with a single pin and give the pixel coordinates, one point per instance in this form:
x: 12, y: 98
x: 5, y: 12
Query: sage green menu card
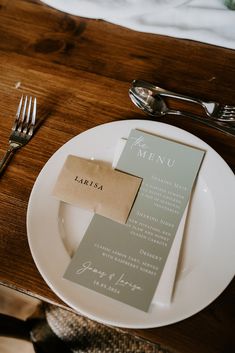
x: 125, y: 261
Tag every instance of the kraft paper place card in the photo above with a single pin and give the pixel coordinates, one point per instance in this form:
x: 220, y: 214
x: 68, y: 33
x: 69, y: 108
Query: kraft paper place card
x: 125, y: 262
x: 96, y: 186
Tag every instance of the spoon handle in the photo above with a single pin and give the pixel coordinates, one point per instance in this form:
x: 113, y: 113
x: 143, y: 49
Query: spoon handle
x: 165, y: 93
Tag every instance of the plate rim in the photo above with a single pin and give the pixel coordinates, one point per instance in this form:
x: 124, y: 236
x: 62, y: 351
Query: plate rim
x: 163, y: 127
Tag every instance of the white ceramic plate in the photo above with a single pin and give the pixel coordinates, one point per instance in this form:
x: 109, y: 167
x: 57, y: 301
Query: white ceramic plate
x: 207, y: 260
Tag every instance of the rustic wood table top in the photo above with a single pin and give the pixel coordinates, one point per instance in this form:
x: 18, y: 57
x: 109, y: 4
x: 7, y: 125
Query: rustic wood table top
x: 80, y: 70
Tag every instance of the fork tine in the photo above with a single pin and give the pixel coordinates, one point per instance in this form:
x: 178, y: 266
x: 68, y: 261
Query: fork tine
x: 19, y: 107
x: 26, y: 122
x: 228, y: 112
x: 231, y: 113
x: 17, y: 117
x: 230, y: 116
x: 229, y: 107
x: 28, y: 111
x: 34, y: 111
x: 22, y: 118
x: 33, y: 117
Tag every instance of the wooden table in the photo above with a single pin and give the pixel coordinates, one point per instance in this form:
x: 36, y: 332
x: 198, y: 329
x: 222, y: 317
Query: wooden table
x: 80, y: 70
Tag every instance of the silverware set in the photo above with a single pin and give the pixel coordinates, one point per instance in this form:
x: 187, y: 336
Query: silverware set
x: 22, y: 129
x: 150, y: 99
x: 145, y: 95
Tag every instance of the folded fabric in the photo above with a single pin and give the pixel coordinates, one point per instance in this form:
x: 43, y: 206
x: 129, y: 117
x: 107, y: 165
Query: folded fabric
x: 208, y: 21
x: 165, y: 288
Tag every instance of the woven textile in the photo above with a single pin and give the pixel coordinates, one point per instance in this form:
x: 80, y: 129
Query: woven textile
x: 83, y: 335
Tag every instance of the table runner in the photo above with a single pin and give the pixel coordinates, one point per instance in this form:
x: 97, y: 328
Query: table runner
x: 208, y: 21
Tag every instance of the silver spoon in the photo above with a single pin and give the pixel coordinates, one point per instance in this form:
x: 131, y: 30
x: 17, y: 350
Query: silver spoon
x: 154, y: 105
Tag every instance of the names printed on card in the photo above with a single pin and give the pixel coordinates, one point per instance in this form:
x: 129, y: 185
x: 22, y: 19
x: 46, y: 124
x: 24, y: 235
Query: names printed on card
x: 115, y: 279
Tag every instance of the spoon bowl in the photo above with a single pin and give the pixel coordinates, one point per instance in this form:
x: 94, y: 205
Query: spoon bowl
x: 144, y: 99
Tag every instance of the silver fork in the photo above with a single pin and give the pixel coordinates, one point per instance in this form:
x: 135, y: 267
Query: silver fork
x: 22, y: 129
x: 214, y: 110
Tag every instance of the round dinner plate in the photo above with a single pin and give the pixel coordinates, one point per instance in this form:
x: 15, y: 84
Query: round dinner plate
x: 207, y: 260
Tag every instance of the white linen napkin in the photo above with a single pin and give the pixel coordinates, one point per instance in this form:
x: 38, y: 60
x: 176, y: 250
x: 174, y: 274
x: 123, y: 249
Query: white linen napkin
x: 208, y: 21
x: 164, y: 292
x: 165, y: 289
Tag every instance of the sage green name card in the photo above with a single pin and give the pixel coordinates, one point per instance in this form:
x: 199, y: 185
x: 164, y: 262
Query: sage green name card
x: 125, y: 261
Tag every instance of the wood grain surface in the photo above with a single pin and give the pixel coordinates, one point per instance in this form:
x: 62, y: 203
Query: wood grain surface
x: 80, y: 70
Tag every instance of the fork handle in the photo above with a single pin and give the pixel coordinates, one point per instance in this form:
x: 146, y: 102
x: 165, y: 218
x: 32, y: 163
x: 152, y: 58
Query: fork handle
x: 6, y: 159
x: 223, y: 127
